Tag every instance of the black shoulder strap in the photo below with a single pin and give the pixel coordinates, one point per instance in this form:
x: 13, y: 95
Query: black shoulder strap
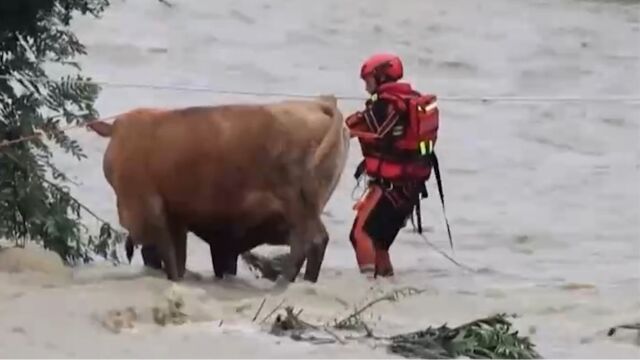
x: 436, y: 169
x: 359, y: 170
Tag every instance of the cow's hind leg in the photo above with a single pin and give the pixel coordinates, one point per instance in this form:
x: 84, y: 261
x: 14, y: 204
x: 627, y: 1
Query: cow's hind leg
x: 315, y: 252
x: 296, y: 260
x: 298, y: 239
x: 308, y: 241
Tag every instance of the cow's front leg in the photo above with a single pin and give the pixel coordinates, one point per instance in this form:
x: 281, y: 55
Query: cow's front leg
x: 151, y: 257
x: 179, y: 240
x: 232, y: 264
x: 224, y: 261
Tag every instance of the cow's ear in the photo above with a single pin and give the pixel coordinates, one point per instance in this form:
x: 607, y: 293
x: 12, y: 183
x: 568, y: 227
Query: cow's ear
x: 101, y: 128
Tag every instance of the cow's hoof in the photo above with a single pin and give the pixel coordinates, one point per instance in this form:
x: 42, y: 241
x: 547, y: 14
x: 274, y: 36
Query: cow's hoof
x: 311, y: 278
x: 190, y: 275
x: 173, y: 278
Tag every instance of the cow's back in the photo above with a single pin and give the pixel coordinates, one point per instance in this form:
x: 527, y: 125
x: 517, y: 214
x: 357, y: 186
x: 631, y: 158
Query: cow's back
x: 205, y: 159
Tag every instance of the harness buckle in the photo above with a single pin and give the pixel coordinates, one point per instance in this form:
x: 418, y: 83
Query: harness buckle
x: 384, y: 184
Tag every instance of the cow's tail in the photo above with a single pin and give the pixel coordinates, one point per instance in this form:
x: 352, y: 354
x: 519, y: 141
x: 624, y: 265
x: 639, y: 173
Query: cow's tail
x: 102, y: 128
x: 333, y: 138
x: 129, y: 247
x: 329, y: 106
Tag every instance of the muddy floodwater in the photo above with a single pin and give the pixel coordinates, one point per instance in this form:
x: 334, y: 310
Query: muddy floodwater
x: 542, y: 194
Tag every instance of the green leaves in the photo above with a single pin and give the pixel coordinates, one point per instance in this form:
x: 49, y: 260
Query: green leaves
x: 34, y: 204
x: 73, y: 97
x: 484, y: 338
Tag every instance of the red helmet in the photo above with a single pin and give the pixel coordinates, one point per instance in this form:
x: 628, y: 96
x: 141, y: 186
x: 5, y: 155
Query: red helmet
x: 387, y: 65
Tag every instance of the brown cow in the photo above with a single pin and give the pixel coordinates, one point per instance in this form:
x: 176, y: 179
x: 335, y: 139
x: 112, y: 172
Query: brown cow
x: 221, y: 171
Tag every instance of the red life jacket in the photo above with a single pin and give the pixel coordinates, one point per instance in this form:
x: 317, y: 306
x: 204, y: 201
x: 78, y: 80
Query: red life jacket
x: 404, y: 158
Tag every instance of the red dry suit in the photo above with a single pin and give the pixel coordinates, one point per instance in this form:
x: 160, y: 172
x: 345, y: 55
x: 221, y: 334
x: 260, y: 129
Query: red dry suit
x: 397, y: 132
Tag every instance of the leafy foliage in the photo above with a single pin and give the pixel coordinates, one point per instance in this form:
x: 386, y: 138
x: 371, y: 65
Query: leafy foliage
x: 488, y: 338
x: 35, y: 34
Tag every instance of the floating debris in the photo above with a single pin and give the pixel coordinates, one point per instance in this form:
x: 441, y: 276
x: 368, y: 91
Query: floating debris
x: 267, y: 267
x: 354, y: 320
x: 292, y: 325
x: 116, y: 320
x: 171, y: 312
x: 632, y: 326
x: 490, y: 337
x: 578, y: 286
